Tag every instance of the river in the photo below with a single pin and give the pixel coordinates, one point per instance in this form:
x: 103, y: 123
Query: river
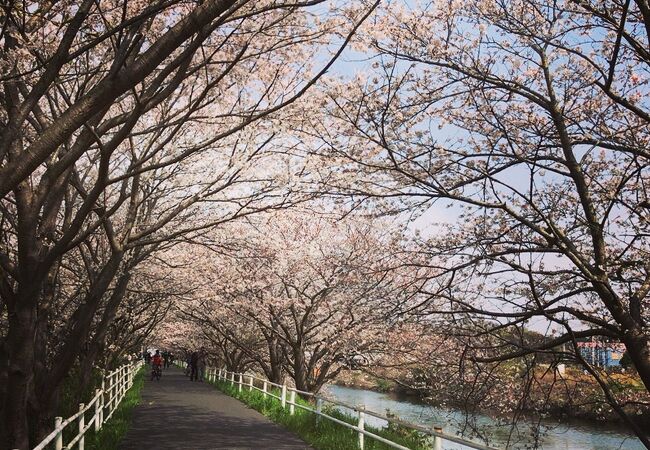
x: 573, y: 435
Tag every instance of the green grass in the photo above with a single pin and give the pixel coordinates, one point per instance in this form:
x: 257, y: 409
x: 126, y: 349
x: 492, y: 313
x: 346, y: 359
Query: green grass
x: 383, y: 385
x: 324, y: 435
x: 116, y: 427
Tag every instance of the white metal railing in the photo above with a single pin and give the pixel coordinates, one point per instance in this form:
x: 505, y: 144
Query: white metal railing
x: 287, y: 396
x: 103, y: 405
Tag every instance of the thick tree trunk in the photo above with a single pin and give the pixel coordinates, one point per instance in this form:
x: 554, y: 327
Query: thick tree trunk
x: 40, y: 415
x: 4, y: 374
x: 299, y: 369
x: 275, y: 360
x: 22, y: 326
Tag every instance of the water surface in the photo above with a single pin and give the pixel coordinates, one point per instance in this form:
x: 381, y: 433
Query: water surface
x: 573, y: 435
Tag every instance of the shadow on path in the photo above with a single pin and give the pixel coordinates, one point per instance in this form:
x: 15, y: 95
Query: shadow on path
x: 176, y: 413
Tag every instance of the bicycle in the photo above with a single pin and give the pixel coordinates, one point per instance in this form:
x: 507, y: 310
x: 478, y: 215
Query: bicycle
x: 156, y: 372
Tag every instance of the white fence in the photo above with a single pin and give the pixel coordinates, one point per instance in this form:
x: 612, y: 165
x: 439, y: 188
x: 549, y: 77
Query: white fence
x: 103, y: 405
x: 287, y: 396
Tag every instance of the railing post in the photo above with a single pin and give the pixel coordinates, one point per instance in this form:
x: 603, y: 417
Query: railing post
x: 437, y: 440
x: 264, y: 389
x: 120, y: 385
x: 241, y: 382
x: 58, y: 440
x: 101, y: 401
x: 111, y: 389
x: 250, y: 383
x: 98, y: 402
x: 292, y: 402
x: 82, y: 425
x: 284, y: 395
x: 113, y: 396
x: 361, y: 425
x: 109, y: 392
x: 319, y: 408
x: 124, y: 382
x: 232, y: 379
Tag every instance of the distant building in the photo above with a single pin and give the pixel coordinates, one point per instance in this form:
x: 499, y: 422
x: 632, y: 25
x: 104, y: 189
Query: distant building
x: 602, y: 354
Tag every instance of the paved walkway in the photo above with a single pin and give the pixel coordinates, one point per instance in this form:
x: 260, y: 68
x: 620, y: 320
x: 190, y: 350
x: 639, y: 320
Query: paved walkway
x: 176, y: 413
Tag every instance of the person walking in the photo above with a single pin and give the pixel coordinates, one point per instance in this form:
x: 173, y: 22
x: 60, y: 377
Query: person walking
x: 194, y: 366
x: 201, y: 364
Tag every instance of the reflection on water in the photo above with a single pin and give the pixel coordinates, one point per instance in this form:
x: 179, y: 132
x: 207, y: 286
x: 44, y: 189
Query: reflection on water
x: 554, y: 435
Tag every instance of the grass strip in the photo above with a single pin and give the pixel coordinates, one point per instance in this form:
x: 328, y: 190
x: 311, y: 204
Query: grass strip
x: 323, y: 434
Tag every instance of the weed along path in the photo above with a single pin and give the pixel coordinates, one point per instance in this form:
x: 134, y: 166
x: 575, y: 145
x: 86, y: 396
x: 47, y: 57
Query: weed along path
x: 176, y: 413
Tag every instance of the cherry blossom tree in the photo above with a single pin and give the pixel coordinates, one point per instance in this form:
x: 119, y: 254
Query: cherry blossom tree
x: 315, y: 290
x: 112, y: 114
x: 530, y: 119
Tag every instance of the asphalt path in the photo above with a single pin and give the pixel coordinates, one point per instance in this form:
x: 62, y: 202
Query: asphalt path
x: 176, y: 413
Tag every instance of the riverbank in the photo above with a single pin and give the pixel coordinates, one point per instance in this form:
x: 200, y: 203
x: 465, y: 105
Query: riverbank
x: 546, y: 434
x: 580, y: 399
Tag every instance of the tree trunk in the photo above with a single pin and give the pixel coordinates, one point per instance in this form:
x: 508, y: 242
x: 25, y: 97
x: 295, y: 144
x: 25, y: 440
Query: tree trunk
x: 299, y: 369
x: 4, y: 381
x: 637, y: 344
x: 22, y: 326
x: 275, y: 360
x: 40, y: 415
x: 99, y: 338
x: 66, y: 357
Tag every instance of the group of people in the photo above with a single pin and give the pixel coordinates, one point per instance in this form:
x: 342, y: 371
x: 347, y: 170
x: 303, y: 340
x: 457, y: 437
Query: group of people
x: 157, y: 361
x: 196, y: 365
x: 196, y: 362
x: 166, y: 358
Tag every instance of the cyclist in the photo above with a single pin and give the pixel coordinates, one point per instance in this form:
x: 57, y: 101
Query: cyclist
x: 156, y: 364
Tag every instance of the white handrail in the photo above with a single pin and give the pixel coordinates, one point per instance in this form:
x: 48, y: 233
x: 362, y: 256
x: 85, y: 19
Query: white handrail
x: 437, y: 432
x: 115, y: 384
